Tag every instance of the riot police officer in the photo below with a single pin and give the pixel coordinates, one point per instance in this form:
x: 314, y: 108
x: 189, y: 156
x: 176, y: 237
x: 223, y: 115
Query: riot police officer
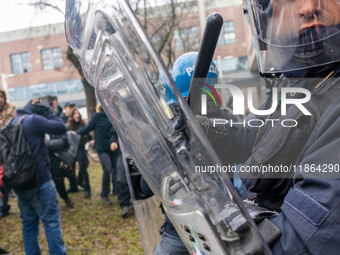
x: 297, y: 45
x: 182, y: 73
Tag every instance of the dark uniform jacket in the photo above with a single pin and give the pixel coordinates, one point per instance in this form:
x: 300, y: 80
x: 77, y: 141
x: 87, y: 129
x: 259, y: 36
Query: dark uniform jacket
x: 310, y: 211
x: 310, y: 217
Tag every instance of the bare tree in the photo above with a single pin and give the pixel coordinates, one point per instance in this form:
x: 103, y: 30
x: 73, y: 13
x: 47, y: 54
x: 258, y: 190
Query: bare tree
x: 90, y: 96
x: 164, y: 22
x: 161, y: 19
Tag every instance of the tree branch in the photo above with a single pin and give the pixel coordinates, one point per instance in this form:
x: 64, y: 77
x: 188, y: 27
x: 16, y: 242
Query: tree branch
x: 42, y: 5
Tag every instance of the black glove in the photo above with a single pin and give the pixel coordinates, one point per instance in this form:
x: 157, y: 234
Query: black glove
x: 41, y: 108
x: 218, y: 137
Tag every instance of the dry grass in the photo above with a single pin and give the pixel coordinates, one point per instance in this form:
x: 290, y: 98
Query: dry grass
x: 90, y: 228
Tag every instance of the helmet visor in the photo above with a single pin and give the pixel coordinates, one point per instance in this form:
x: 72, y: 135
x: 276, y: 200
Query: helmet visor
x: 294, y: 34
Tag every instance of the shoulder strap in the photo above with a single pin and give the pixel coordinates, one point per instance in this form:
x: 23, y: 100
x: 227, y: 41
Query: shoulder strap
x: 21, y: 119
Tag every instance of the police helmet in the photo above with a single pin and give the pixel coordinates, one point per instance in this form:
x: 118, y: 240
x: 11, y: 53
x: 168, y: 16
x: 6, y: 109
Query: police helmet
x: 183, y: 70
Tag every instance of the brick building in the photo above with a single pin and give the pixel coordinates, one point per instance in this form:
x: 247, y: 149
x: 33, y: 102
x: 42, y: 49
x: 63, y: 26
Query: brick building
x: 33, y: 61
x: 37, y: 59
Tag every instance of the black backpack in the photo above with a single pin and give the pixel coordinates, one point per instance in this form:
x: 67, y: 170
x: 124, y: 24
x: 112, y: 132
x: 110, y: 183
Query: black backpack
x: 17, y: 161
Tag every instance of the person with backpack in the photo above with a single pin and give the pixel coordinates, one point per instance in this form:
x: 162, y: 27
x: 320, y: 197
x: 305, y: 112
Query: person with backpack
x: 38, y: 200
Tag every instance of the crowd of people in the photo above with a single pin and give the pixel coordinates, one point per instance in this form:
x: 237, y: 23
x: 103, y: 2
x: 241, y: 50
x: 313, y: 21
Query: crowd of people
x: 51, y: 133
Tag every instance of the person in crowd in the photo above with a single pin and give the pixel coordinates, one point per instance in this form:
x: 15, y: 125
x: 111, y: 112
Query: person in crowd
x: 75, y: 123
x: 7, y: 110
x: 4, y: 209
x: 71, y: 175
x: 7, y: 113
x: 56, y: 107
x: 2, y: 251
x: 56, y: 143
x: 107, y: 147
x: 39, y: 201
x: 68, y: 108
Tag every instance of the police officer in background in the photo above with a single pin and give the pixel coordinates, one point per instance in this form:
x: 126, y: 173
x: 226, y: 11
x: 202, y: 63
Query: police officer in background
x: 182, y: 73
x: 297, y: 44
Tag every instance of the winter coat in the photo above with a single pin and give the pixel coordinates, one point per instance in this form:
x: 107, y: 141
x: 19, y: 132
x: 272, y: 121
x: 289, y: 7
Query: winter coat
x: 104, y: 134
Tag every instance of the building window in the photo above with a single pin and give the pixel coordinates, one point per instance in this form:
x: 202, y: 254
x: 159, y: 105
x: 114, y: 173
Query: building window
x: 227, y: 35
x: 20, y: 62
x: 23, y: 93
x: 186, y: 39
x: 51, y: 59
x: 234, y: 64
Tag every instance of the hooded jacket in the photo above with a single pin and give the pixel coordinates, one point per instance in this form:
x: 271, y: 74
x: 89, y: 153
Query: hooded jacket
x: 35, y: 127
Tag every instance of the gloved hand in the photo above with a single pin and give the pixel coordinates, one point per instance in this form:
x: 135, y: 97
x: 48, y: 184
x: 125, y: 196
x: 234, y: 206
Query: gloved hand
x: 38, y: 107
x: 212, y: 130
x: 179, y: 117
x: 218, y: 136
x: 239, y: 224
x: 42, y: 108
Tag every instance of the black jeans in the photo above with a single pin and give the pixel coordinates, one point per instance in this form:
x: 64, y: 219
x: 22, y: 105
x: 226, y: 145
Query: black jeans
x: 4, y: 207
x: 83, y: 163
x: 71, y: 176
x: 58, y: 175
x: 112, y: 164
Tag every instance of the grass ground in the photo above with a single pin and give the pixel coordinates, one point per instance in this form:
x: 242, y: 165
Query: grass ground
x: 90, y: 228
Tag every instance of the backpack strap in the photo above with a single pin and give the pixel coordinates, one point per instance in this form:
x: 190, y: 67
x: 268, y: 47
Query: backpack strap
x: 21, y: 119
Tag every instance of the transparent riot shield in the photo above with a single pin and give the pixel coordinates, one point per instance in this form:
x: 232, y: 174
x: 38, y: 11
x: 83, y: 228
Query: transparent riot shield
x: 147, y: 209
x: 166, y: 143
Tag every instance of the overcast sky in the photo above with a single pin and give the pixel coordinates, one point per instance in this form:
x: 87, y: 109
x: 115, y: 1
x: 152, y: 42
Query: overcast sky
x: 15, y: 14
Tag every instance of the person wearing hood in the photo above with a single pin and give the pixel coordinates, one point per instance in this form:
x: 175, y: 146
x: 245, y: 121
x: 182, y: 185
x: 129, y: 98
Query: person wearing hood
x: 39, y: 200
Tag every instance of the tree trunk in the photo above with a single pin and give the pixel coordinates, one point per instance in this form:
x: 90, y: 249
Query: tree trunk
x: 90, y: 94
